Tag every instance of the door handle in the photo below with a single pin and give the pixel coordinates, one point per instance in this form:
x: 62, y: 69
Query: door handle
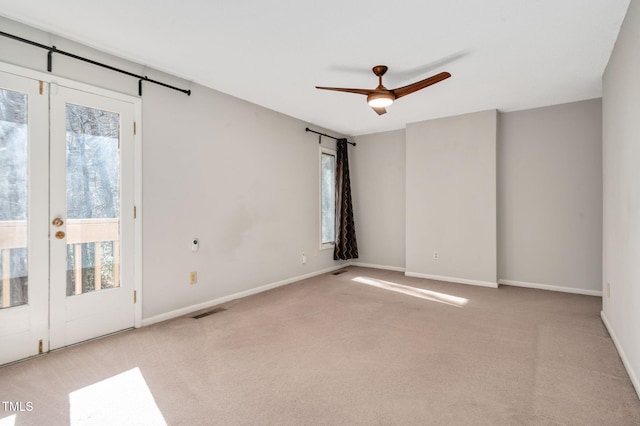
x: 60, y: 235
x: 57, y: 222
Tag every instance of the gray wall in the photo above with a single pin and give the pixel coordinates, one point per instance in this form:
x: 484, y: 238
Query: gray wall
x: 378, y: 177
x: 621, y: 240
x: 550, y: 196
x: 451, y: 198
x: 240, y: 177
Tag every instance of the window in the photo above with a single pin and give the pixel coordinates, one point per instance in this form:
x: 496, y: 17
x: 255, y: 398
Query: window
x: 327, y: 197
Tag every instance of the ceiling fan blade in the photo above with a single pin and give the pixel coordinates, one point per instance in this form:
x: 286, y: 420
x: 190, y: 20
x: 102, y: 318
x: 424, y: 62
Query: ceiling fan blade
x: 406, y: 90
x: 341, y: 89
x: 379, y: 110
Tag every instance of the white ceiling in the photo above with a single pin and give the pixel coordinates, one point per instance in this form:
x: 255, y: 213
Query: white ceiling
x: 504, y: 54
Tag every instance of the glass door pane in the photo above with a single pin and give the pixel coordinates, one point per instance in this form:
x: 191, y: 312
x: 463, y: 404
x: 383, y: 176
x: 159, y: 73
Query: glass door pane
x: 13, y: 198
x: 93, y: 199
x: 24, y: 212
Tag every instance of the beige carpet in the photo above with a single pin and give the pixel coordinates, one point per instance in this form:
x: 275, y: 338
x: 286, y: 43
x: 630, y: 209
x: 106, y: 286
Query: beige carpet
x: 365, y: 347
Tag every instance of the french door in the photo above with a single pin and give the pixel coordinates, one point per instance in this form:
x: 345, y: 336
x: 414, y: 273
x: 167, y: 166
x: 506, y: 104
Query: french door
x: 66, y: 216
x: 24, y: 213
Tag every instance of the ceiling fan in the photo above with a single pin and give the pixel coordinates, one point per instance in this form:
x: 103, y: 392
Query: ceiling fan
x: 381, y: 97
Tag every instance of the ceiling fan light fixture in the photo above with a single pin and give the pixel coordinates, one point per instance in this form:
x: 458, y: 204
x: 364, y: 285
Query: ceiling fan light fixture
x: 380, y: 100
x: 381, y: 97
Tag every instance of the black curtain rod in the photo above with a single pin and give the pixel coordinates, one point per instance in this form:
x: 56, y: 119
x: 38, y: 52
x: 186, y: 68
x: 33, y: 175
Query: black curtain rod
x: 53, y: 49
x: 328, y: 136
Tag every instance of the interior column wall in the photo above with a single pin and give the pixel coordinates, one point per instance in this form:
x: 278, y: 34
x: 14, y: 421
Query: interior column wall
x: 451, y: 199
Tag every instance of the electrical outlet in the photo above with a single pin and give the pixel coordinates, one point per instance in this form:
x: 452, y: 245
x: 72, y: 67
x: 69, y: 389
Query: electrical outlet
x: 304, y: 258
x: 193, y: 277
x: 608, y: 290
x: 436, y: 255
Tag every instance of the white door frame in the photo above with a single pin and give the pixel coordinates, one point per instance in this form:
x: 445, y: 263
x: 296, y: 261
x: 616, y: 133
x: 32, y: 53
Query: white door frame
x: 53, y: 79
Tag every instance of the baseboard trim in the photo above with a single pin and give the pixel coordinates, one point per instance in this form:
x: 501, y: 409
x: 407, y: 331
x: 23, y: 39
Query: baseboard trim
x: 374, y: 266
x: 204, y: 305
x: 452, y: 279
x: 623, y: 356
x: 551, y: 287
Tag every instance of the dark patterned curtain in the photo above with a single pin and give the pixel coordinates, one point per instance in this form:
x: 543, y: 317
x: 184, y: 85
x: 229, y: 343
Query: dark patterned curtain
x: 346, y: 246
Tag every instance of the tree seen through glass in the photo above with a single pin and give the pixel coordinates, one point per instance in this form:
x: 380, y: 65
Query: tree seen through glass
x: 93, y: 199
x: 13, y: 198
x: 328, y: 173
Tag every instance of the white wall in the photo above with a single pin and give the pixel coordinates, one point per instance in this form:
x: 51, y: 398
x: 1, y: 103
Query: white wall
x: 241, y: 178
x: 451, y: 198
x: 621, y: 159
x: 550, y: 196
x: 378, y: 177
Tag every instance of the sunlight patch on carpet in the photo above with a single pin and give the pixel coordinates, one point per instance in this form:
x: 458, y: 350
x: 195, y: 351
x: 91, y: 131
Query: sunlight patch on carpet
x: 434, y: 296
x: 119, y: 400
x: 8, y: 421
